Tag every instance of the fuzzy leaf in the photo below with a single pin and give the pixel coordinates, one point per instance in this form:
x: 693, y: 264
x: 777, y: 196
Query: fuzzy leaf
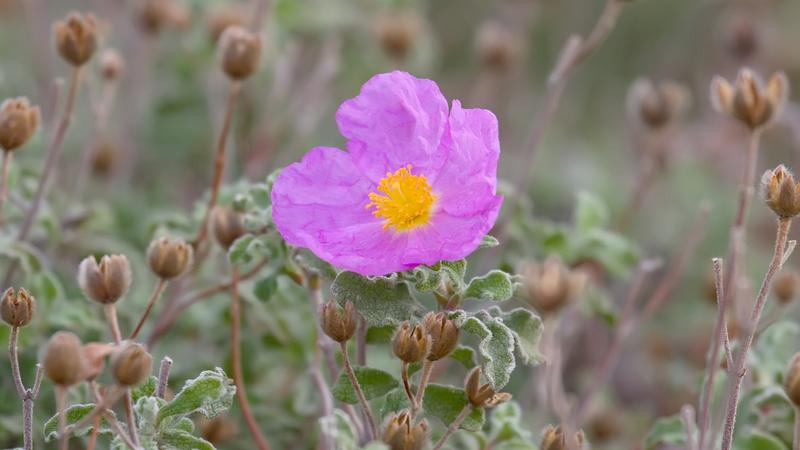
x: 446, y: 402
x: 380, y: 300
x: 666, y: 430
x: 465, y: 356
x: 494, y: 286
x: 340, y: 430
x: 527, y: 329
x: 210, y: 394
x: 488, y: 241
x: 375, y: 383
x: 265, y: 287
x: 313, y: 263
x: 146, y: 389
x: 590, y: 212
x: 497, y: 343
x: 181, y: 440
x: 757, y: 440
x: 74, y: 415
x: 505, y: 424
x: 241, y: 250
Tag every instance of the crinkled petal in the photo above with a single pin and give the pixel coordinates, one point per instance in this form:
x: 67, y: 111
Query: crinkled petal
x: 396, y: 120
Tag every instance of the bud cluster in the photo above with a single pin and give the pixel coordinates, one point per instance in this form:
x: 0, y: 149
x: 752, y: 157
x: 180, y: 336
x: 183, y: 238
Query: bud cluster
x: 748, y: 100
x: 434, y: 338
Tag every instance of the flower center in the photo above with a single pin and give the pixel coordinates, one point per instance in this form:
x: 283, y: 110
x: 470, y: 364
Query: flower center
x: 404, y: 200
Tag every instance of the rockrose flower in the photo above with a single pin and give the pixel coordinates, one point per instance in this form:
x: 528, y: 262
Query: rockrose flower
x: 416, y: 185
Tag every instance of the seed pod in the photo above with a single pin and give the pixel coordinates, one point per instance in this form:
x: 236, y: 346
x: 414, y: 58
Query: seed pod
x: 104, y: 158
x: 339, y: 324
x: 227, y: 226
x: 482, y: 396
x: 131, y: 364
x: 401, y: 433
x: 551, y: 285
x: 76, y: 38
x: 443, y: 334
x: 169, y: 258
x: 111, y: 64
x: 410, y: 343
x: 18, y: 122
x: 748, y: 100
x: 396, y: 34
x: 555, y: 439
x: 656, y: 105
x: 94, y: 355
x: 17, y: 309
x: 107, y: 282
x: 239, y: 52
x: 791, y: 383
x: 785, y: 286
x: 742, y: 40
x: 63, y: 359
x: 498, y: 47
x: 218, y: 19
x: 780, y: 191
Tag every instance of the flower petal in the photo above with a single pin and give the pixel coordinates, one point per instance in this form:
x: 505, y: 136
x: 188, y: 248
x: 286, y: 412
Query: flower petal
x: 396, y: 120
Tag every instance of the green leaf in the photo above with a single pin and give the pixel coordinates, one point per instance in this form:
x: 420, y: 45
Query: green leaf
x: 46, y: 287
x: 494, y: 286
x: 181, y: 440
x: 313, y: 263
x: 614, y: 252
x: 590, y: 212
x: 775, y: 346
x: 374, y: 382
x: 75, y: 414
x: 446, y: 402
x: 465, y: 356
x: 527, y: 328
x: 488, y: 241
x: 666, y: 430
x: 265, y: 287
x: 146, y: 389
x: 431, y: 278
x: 505, y: 424
x: 380, y: 300
x: 497, y: 343
x: 210, y: 394
x: 341, y: 430
x: 756, y: 440
x: 241, y: 251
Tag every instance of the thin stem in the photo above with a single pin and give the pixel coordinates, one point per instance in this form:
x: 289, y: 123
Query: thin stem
x: 61, y: 405
x: 427, y: 368
x: 361, y: 343
x: 687, y: 415
x: 157, y: 291
x: 95, y: 431
x: 454, y: 426
x: 107, y: 402
x: 4, y: 180
x: 739, y: 371
x: 113, y: 323
x: 219, y: 160
x: 236, y: 361
x: 110, y: 311
x: 14, y: 357
x: 359, y: 392
x: 27, y: 422
x: 130, y: 417
x: 712, y: 362
x: 163, y: 377
x: 407, y: 387
x: 796, y: 437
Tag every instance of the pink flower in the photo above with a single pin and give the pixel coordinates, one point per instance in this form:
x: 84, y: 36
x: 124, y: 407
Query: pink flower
x: 416, y: 185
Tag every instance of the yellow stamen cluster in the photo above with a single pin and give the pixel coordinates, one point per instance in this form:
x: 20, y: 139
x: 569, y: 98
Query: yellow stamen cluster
x: 404, y: 201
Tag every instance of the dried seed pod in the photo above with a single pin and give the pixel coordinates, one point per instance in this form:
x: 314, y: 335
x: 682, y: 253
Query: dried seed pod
x: 791, y: 383
x: 781, y: 192
x: 551, y: 285
x: 396, y: 34
x: 131, y: 364
x: 339, y: 324
x: 63, y: 359
x: 742, y: 40
x: 111, y: 64
x: 443, y: 334
x: 18, y: 122
x: 76, y: 38
x: 17, y: 309
x: 239, y: 52
x: 104, y: 158
x: 227, y: 226
x: 784, y: 288
x: 105, y: 282
x: 657, y: 105
x: 556, y: 439
x: 482, y: 396
x: 401, y: 433
x: 168, y: 257
x: 410, y: 343
x: 498, y: 47
x: 152, y: 15
x: 94, y: 355
x: 218, y: 19
x: 748, y: 100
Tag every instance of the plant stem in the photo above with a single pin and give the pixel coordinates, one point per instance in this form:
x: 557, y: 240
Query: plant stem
x: 712, y: 362
x: 110, y: 311
x: 359, y: 392
x: 427, y: 368
x: 163, y: 377
x: 14, y: 357
x: 93, y: 438
x: 236, y: 361
x: 26, y: 395
x: 454, y: 426
x: 219, y: 160
x: 113, y: 323
x: 61, y: 405
x: 407, y: 387
x: 4, y: 180
x: 796, y: 437
x: 159, y: 289
x: 739, y: 371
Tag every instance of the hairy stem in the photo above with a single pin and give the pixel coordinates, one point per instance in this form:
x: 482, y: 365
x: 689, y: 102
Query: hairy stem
x: 163, y: 377
x: 348, y: 368
x: 796, y: 437
x: 4, y: 180
x: 427, y: 368
x: 110, y: 311
x: 712, y: 363
x: 61, y: 405
x: 157, y: 291
x: 453, y: 426
x: 407, y: 387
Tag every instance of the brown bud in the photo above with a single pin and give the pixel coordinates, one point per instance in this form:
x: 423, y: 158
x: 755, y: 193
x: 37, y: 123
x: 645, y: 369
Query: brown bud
x: 482, y: 395
x: 76, y: 38
x: 219, y: 429
x: 227, y: 225
x: 104, y: 158
x: 401, y: 433
x: 105, y: 282
x: 443, y: 334
x: 17, y: 309
x: 791, y: 383
x: 555, y: 439
x: 748, y: 100
x: 338, y: 324
x: 239, y: 52
x: 131, y: 364
x: 169, y: 258
x: 111, y: 64
x: 63, y: 359
x: 785, y: 286
x: 396, y: 34
x: 153, y: 15
x: 551, y: 285
x: 780, y: 191
x: 18, y: 122
x: 410, y: 343
x: 742, y: 39
x: 218, y: 19
x: 497, y: 45
x: 656, y: 105
x: 94, y: 355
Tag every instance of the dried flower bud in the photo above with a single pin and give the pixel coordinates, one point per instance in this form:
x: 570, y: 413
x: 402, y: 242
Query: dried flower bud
x: 656, y: 105
x: 785, y: 286
x: 111, y: 64
x: 63, y: 359
x: 497, y: 45
x: 791, y: 383
x: 555, y: 439
x: 218, y: 19
x: 482, y: 396
x: 552, y: 285
x: 17, y: 309
x: 76, y: 38
x: 131, y: 364
x: 443, y: 334
x: 94, y: 355
x: 742, y: 39
x: 239, y: 52
x: 104, y: 158
x: 748, y: 100
x: 401, y: 433
x: 106, y: 282
x: 153, y: 15
x: 396, y: 34
x: 410, y: 343
x: 781, y: 192
x: 18, y: 122
x: 169, y: 258
x: 338, y: 324
x: 227, y: 226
